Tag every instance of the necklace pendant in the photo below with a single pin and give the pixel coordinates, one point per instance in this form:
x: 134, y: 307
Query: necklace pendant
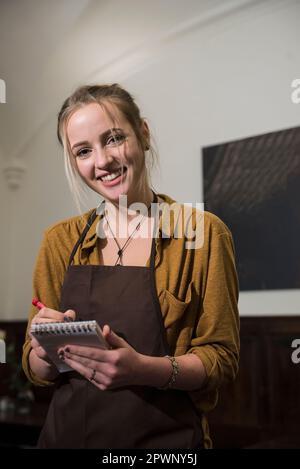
x: 120, y: 252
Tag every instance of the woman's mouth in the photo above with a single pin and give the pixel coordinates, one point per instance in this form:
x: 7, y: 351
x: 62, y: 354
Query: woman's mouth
x: 113, y: 178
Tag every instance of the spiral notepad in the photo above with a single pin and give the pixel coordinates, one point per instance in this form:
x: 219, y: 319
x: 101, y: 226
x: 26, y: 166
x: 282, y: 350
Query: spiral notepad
x: 53, y: 335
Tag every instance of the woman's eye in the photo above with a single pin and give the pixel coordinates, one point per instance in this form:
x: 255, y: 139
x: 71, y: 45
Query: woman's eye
x: 83, y: 152
x: 115, y: 139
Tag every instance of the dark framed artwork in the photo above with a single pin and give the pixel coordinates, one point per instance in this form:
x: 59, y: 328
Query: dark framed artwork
x: 253, y: 185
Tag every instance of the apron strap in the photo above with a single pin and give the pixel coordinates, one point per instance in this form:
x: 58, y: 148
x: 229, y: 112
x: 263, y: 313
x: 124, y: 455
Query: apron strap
x: 153, y: 246
x: 83, y: 234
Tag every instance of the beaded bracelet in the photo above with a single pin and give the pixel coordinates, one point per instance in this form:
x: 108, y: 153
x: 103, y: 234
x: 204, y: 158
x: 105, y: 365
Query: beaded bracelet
x: 175, y: 370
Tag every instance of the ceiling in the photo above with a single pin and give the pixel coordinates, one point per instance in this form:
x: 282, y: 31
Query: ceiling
x: 30, y: 32
x: 48, y: 46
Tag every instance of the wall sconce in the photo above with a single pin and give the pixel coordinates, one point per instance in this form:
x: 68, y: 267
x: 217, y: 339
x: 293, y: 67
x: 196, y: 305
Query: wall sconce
x: 13, y: 175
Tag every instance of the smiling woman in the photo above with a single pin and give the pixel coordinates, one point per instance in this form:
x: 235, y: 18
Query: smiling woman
x: 105, y: 140
x: 112, y: 161
x: 167, y: 308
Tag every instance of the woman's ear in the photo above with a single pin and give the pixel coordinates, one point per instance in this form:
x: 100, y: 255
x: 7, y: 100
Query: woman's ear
x: 146, y: 135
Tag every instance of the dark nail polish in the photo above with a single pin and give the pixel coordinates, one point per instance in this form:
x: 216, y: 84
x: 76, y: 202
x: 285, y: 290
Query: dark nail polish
x: 67, y: 349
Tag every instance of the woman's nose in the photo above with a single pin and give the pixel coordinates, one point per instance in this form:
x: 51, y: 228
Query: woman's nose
x: 102, y: 157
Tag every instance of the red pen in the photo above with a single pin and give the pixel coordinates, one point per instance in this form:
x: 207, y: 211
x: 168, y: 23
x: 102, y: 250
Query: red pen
x: 37, y: 303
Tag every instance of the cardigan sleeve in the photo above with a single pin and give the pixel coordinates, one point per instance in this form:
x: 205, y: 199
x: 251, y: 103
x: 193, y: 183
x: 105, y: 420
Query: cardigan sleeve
x: 216, y: 337
x: 47, y: 282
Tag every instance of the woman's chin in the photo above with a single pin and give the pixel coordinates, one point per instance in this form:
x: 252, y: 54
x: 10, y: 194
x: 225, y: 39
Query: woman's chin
x: 114, y: 193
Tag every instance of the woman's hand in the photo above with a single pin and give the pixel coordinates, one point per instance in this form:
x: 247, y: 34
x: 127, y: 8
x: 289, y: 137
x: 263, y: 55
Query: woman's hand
x: 46, y: 315
x: 106, y: 369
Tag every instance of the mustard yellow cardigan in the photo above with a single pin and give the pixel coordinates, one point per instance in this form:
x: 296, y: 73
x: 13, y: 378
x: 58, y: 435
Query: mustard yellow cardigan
x: 196, y: 285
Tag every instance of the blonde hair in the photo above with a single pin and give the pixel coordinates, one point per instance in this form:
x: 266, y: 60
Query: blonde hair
x: 101, y: 94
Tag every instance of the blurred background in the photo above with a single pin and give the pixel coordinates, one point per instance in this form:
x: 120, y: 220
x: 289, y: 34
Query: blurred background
x: 204, y: 72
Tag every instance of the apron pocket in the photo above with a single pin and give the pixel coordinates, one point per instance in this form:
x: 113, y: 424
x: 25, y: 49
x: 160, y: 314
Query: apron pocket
x: 172, y: 309
x: 179, y: 318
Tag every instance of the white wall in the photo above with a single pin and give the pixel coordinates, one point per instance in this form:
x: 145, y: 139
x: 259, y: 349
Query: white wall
x: 203, y: 73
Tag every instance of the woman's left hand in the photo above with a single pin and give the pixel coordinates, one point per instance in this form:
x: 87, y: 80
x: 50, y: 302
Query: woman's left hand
x: 106, y: 369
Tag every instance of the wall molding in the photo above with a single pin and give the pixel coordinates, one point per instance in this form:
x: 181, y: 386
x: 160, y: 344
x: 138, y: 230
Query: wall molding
x: 140, y: 56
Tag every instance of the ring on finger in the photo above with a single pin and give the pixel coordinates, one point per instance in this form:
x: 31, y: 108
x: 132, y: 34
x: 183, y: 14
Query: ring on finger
x: 92, y: 378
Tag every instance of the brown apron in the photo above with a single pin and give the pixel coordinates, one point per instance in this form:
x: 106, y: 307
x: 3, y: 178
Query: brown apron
x: 82, y: 416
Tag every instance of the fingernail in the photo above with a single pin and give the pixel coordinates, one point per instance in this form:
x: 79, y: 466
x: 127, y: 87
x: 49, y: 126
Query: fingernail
x: 61, y: 355
x: 67, y: 349
x: 67, y: 319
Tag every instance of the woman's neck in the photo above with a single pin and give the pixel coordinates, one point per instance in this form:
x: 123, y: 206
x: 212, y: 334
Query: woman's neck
x: 129, y: 208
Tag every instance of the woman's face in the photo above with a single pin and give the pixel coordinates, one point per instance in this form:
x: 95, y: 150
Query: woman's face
x: 100, y: 153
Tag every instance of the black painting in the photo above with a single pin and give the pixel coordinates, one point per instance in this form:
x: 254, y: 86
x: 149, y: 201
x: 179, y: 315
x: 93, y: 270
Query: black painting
x: 253, y: 185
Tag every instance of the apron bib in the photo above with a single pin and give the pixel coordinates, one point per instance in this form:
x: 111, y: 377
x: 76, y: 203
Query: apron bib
x: 81, y: 415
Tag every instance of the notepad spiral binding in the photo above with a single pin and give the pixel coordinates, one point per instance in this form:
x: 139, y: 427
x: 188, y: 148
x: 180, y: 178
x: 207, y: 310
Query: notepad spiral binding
x: 57, y: 328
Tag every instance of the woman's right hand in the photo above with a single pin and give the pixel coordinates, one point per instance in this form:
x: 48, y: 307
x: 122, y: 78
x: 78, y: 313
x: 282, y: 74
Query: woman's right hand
x: 46, y: 315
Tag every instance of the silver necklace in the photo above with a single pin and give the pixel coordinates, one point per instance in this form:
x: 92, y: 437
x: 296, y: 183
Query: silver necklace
x: 129, y: 239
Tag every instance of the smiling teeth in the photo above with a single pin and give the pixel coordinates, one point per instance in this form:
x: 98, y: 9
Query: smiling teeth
x: 111, y: 176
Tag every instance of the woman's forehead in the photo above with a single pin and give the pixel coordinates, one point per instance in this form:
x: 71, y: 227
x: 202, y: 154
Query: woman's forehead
x: 94, y: 117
